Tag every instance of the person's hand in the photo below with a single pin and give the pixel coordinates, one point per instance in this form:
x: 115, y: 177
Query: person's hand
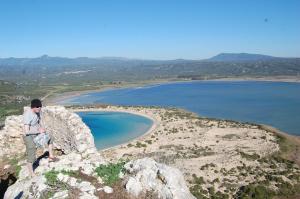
x: 42, y: 130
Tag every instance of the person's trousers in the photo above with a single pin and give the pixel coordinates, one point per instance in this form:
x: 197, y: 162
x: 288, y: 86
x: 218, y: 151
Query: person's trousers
x: 31, y: 147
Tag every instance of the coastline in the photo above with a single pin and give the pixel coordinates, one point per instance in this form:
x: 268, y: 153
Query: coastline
x: 156, y: 123
x: 55, y: 100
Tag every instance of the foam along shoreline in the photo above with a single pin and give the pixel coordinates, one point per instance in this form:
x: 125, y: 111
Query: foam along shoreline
x: 154, y: 125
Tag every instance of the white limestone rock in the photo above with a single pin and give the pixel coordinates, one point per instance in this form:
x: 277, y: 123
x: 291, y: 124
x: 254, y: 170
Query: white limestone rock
x: 108, y: 189
x: 72, y: 182
x: 167, y: 182
x: 60, y: 195
x: 26, y: 187
x: 134, y: 187
x: 85, y: 186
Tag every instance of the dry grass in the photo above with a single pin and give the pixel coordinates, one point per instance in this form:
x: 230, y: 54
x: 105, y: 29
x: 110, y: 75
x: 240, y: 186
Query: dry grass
x: 289, y: 144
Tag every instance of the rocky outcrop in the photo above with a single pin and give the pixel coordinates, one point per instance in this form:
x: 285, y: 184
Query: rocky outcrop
x: 75, y: 172
x: 69, y: 132
x: 148, y: 175
x: 38, y: 187
x: 11, y: 141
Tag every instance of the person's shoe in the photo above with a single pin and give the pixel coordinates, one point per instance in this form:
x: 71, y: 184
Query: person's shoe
x: 53, y: 159
x: 32, y: 175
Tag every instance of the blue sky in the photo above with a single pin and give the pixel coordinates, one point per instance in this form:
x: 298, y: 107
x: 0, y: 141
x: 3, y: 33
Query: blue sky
x: 150, y: 29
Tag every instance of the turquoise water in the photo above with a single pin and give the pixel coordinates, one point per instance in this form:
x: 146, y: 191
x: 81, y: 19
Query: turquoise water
x: 114, y: 128
x: 273, y: 103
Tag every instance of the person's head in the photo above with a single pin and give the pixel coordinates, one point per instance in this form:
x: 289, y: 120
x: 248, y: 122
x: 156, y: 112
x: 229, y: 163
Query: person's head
x: 36, y: 105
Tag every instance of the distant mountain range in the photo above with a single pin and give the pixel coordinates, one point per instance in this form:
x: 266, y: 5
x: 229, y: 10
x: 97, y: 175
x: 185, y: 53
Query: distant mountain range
x: 67, y: 70
x: 46, y: 60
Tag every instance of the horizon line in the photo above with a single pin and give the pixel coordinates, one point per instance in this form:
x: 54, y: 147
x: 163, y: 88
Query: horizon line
x: 134, y: 58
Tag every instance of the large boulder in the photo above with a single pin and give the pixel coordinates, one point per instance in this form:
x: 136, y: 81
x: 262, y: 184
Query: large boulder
x: 147, y: 175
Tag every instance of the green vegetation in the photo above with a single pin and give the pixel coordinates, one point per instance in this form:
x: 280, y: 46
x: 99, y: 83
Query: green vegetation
x: 54, y: 185
x: 284, y: 145
x: 195, y: 152
x: 110, y: 173
x: 261, y: 190
x: 129, y: 145
x: 231, y: 136
x: 14, y: 162
x: 255, y: 192
x: 51, y: 177
x: 13, y: 97
x: 140, y: 145
x: 199, y: 192
x: 74, y: 174
x: 254, y: 156
x: 148, y: 141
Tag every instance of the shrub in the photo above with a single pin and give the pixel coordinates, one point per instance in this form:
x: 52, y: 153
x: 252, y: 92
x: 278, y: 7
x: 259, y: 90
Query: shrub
x: 110, y: 173
x: 139, y: 145
x: 254, y: 156
x: 254, y: 191
x: 14, y: 163
x: 148, y: 141
x: 70, y: 173
x: 51, y: 177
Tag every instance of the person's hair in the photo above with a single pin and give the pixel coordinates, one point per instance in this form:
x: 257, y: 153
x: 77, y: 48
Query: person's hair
x: 36, y: 103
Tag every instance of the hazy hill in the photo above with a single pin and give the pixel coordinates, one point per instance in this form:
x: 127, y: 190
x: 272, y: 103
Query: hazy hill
x: 240, y: 57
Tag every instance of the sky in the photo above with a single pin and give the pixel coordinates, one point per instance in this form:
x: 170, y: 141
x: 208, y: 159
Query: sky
x: 149, y: 29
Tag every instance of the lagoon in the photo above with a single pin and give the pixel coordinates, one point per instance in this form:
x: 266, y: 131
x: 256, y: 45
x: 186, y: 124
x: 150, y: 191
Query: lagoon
x: 113, y: 128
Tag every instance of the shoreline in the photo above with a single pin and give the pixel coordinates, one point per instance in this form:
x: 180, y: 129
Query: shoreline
x: 154, y: 125
x: 55, y: 100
